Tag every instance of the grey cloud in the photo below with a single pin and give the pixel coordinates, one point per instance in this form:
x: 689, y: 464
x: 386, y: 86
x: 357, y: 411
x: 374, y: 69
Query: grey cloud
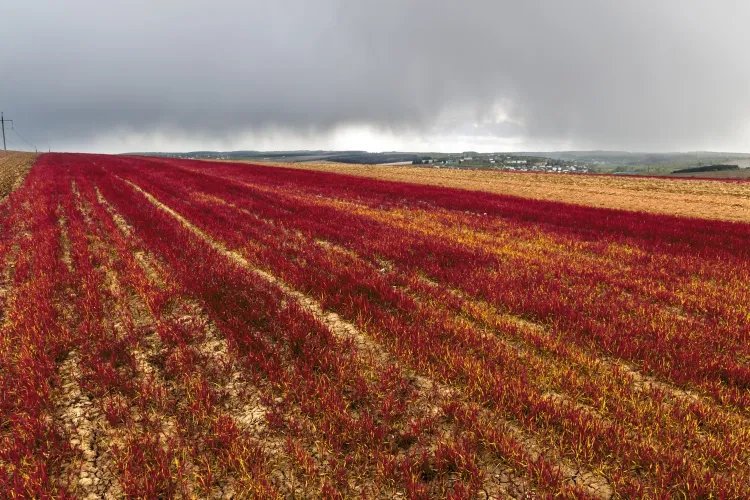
x: 636, y: 74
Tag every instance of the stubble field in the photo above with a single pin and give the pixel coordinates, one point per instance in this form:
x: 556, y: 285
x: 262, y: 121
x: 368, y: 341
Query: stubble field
x: 173, y: 328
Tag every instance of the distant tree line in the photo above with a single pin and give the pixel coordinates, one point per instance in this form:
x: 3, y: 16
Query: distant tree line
x: 706, y: 168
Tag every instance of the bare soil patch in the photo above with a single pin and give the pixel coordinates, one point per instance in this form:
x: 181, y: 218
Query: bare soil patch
x: 14, y: 165
x: 90, y: 434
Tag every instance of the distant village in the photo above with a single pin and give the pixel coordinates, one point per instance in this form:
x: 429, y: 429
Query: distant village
x: 465, y: 160
x: 471, y: 160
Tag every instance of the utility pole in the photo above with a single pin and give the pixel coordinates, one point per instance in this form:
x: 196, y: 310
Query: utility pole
x: 2, y: 122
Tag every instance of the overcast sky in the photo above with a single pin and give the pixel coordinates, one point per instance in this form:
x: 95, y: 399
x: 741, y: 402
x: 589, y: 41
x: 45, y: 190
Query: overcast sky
x: 417, y: 75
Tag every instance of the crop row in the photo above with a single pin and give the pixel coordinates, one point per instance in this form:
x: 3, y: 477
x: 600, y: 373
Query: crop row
x: 371, y: 419
x: 677, y: 313
x: 236, y: 216
x: 32, y: 339
x: 170, y: 332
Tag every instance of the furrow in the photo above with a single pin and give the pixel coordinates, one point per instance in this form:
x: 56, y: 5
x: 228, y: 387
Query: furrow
x: 242, y: 401
x: 333, y: 321
x: 595, y: 485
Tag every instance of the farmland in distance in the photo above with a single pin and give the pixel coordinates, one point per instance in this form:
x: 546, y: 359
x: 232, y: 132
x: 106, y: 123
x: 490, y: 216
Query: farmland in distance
x: 703, y: 198
x: 176, y: 328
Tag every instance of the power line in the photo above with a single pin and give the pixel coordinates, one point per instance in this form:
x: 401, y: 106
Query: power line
x: 13, y: 128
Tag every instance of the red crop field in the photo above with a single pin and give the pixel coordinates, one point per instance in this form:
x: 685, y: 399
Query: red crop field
x: 172, y: 328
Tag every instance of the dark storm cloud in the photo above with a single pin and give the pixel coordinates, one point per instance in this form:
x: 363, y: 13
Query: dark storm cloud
x: 635, y: 74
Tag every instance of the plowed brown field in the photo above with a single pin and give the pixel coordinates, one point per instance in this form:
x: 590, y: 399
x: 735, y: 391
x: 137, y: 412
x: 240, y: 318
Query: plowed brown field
x: 14, y: 165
